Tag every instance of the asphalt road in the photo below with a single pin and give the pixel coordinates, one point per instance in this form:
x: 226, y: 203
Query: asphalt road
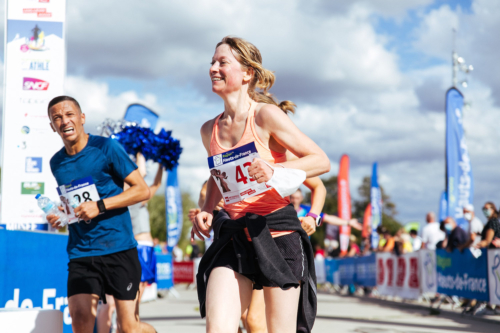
x: 337, y: 314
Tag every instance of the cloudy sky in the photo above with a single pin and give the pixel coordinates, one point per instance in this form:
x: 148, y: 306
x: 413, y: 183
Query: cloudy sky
x: 368, y: 76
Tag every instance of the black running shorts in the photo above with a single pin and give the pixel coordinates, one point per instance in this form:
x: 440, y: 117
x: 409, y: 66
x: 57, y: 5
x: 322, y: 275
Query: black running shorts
x: 290, y: 248
x: 117, y: 274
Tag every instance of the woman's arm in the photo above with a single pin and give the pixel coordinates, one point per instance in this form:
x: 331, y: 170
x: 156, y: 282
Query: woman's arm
x: 276, y: 124
x: 157, y: 182
x: 490, y: 233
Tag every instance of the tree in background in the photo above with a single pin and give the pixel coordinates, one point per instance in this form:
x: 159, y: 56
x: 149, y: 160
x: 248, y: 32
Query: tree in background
x: 157, y: 219
x: 358, y: 208
x: 388, y: 207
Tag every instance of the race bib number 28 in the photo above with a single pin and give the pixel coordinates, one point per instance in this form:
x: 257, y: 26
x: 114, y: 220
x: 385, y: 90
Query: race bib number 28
x: 82, y: 190
x: 230, y: 172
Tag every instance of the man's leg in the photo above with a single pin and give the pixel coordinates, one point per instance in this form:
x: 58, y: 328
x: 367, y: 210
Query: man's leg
x: 127, y: 317
x: 105, y: 315
x: 83, y: 309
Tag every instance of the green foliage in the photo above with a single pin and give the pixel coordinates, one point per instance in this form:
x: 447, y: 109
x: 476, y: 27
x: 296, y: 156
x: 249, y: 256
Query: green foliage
x: 157, y: 218
x: 358, y: 208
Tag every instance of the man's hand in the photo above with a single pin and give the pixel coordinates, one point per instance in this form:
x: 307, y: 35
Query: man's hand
x: 54, y: 219
x: 87, y: 210
x: 260, y: 171
x: 202, y: 225
x: 308, y: 224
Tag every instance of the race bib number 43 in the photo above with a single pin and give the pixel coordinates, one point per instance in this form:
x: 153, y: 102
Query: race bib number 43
x: 82, y: 189
x: 230, y: 172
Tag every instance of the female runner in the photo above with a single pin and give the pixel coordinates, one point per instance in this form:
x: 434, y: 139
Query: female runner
x: 233, y: 266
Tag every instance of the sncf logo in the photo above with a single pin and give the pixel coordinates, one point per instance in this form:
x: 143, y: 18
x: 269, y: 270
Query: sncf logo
x: 30, y: 83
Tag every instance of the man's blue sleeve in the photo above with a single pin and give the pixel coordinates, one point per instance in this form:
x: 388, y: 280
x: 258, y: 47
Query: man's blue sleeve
x: 119, y: 160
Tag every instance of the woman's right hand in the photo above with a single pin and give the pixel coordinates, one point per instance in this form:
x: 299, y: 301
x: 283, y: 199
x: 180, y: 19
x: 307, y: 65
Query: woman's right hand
x: 202, y: 225
x: 54, y: 219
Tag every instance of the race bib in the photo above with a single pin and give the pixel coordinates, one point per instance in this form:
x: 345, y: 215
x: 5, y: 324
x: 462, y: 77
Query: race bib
x: 230, y: 172
x: 82, y: 190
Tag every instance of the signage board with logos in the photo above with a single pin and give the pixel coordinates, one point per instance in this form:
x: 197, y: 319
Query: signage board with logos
x: 35, y: 66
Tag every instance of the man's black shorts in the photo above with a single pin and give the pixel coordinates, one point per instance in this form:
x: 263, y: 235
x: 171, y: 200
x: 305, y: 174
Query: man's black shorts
x: 117, y: 274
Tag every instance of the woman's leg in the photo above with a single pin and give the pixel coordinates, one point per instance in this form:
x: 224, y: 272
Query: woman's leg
x: 281, y: 309
x: 228, y: 296
x: 256, y: 317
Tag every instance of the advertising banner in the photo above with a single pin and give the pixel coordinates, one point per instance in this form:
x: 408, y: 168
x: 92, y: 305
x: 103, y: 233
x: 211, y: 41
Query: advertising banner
x: 35, y: 66
x: 398, y: 275
x: 344, y: 202
x: 366, y: 271
x: 459, y: 181
x: 173, y: 206
x: 463, y: 275
x: 184, y: 272
x: 376, y: 205
x: 332, y: 271
x: 494, y: 275
x: 347, y: 270
x: 319, y: 265
x: 141, y: 115
x: 34, y: 272
x: 443, y: 206
x: 164, y: 271
x: 428, y: 275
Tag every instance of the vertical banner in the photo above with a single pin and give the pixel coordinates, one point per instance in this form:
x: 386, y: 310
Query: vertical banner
x: 141, y: 115
x: 35, y: 66
x: 443, y: 206
x: 367, y: 219
x: 173, y: 209
x: 344, y: 203
x: 459, y: 181
x: 376, y: 206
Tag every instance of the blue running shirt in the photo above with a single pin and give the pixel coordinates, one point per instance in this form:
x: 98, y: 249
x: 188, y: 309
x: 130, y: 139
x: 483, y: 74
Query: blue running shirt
x: 108, y: 164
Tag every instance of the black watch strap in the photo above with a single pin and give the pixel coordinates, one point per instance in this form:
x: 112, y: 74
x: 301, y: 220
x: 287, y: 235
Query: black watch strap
x: 101, y: 206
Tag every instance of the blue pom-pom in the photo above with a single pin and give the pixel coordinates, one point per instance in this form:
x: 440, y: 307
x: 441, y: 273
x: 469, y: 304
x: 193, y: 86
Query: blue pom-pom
x: 161, y: 147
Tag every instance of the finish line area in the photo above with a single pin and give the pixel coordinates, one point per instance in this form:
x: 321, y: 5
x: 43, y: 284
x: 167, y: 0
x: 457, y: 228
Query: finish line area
x: 336, y: 313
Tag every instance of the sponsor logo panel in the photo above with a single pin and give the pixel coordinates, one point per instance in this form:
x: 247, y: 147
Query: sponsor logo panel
x: 32, y: 188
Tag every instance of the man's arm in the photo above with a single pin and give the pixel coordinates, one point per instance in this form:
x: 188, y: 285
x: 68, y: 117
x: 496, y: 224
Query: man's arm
x: 137, y: 192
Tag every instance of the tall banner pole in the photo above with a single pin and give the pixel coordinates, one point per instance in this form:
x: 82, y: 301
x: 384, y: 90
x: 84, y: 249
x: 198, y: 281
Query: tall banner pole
x: 376, y: 206
x: 443, y: 206
x: 173, y: 205
x: 35, y: 66
x: 459, y: 181
x: 344, y: 203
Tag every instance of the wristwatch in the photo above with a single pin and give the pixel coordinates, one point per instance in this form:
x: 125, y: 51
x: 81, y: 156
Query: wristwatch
x: 101, y: 206
x: 316, y: 217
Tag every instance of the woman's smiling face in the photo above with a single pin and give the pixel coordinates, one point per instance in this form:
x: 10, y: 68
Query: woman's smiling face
x: 226, y: 72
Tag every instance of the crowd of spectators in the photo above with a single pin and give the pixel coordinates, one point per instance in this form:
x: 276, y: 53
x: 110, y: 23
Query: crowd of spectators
x: 446, y: 234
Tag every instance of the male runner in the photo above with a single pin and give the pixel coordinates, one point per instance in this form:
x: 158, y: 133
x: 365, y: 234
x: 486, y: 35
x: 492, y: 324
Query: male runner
x: 101, y: 246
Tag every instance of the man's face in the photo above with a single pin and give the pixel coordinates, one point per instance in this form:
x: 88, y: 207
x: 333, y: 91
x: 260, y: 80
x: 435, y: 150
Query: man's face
x: 296, y: 198
x: 67, y: 120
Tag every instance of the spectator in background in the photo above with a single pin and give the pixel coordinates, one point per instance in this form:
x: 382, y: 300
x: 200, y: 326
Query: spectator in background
x: 416, y: 241
x: 177, y: 252
x: 431, y: 233
x: 457, y: 236
x: 319, y: 253
x: 491, y: 230
x: 475, y: 226
x: 354, y: 249
x: 156, y: 245
x: 402, y: 242
x: 387, y: 242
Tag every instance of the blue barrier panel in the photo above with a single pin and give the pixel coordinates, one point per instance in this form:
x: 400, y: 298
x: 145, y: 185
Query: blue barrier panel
x: 366, y: 271
x: 34, y: 271
x: 347, y: 270
x: 460, y: 274
x: 164, y: 271
x: 331, y: 267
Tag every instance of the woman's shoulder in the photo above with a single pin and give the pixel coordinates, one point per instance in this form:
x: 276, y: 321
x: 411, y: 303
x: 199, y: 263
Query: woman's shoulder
x: 207, y: 127
x: 265, y: 113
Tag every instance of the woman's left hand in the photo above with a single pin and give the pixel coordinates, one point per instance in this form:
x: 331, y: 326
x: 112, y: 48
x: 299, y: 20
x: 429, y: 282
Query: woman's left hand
x: 260, y: 171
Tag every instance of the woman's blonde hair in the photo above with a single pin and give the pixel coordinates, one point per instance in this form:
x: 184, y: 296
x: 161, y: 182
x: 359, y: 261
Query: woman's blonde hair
x: 263, y: 79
